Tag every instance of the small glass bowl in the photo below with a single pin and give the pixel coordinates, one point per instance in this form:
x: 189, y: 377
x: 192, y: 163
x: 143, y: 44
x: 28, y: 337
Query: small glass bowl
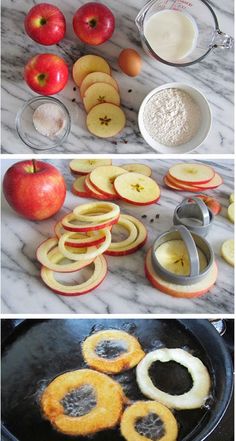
x: 27, y: 132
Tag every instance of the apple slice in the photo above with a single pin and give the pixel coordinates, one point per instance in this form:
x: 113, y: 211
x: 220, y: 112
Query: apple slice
x: 140, y: 240
x: 102, y: 178
x: 96, y: 211
x: 179, y: 187
x: 188, y: 291
x: 132, y: 230
x: 80, y: 240
x: 138, y: 168
x: 213, y: 183
x: 99, y: 93
x: 87, y: 64
x: 49, y: 255
x: 100, y: 271
x: 85, y: 166
x: 97, y: 77
x: 90, y: 253
x: 231, y: 212
x: 227, y: 251
x: 212, y: 203
x: 106, y: 120
x: 70, y: 223
x: 191, y: 173
x: 137, y: 189
x: 78, y: 188
x: 231, y: 198
x: 94, y: 192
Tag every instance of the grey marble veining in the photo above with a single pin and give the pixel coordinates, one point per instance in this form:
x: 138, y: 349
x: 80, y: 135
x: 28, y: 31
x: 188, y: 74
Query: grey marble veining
x: 213, y: 76
x: 125, y: 289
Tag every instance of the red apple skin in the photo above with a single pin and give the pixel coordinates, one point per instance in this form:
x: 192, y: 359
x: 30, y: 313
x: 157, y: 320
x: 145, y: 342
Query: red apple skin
x: 35, y: 192
x: 94, y: 23
x: 45, y: 24
x: 211, y: 203
x: 80, y: 229
x: 46, y: 74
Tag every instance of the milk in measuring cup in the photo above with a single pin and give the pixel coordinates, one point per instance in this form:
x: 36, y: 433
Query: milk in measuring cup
x: 171, y: 34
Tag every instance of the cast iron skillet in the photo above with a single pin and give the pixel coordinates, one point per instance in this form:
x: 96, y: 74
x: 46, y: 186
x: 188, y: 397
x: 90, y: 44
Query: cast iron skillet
x: 36, y: 351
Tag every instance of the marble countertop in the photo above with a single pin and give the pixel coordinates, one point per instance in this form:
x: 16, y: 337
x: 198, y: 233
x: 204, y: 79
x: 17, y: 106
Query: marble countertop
x: 125, y: 289
x: 213, y: 76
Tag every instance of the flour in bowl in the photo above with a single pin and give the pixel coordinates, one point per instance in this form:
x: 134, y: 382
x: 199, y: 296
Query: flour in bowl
x: 172, y: 117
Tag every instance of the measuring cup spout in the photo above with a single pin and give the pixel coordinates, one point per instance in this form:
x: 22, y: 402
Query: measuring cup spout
x: 222, y: 40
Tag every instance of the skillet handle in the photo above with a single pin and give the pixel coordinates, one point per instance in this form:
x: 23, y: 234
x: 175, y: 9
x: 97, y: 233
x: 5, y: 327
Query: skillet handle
x: 219, y: 325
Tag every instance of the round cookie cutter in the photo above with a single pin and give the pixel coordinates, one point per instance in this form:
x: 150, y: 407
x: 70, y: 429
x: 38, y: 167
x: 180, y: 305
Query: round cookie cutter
x: 192, y: 241
x: 194, y: 214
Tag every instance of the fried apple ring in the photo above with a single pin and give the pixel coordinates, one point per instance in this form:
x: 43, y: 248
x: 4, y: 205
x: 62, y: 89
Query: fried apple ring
x: 192, y: 399
x: 148, y: 421
x: 104, y: 411
x: 125, y: 350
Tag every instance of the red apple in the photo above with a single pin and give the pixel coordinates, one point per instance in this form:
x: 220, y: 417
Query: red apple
x: 46, y: 74
x: 212, y: 203
x: 34, y: 189
x: 45, y: 24
x: 94, y: 23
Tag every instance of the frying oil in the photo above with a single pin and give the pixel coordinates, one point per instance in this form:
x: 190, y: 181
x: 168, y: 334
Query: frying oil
x: 171, y: 34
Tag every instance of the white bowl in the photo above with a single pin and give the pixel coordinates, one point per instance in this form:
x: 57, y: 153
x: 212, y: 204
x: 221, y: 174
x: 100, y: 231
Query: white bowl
x: 202, y: 132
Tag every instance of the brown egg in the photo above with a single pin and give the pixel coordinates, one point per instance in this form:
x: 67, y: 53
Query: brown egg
x: 130, y: 62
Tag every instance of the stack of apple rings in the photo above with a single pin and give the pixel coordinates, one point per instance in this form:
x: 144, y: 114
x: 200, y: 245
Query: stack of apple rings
x: 82, y: 237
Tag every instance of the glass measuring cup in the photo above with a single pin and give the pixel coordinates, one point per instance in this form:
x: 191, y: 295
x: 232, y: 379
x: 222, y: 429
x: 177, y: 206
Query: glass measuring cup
x: 209, y: 34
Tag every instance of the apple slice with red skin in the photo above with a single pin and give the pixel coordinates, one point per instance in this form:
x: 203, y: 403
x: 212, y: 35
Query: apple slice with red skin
x: 67, y: 223
x: 99, y: 93
x: 212, y: 203
x: 87, y: 64
x: 87, y: 239
x: 190, y: 173
x: 94, y: 192
x: 137, y: 189
x: 99, y: 274
x: 178, y: 187
x: 138, y: 168
x: 85, y: 166
x: 138, y: 242
x: 187, y: 291
x: 78, y: 188
x: 214, y: 183
x: 102, y: 178
x: 97, y: 77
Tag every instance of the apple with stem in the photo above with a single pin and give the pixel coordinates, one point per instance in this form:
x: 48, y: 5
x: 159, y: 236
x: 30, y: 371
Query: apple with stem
x: 94, y: 23
x: 34, y: 189
x: 45, y: 24
x: 46, y: 74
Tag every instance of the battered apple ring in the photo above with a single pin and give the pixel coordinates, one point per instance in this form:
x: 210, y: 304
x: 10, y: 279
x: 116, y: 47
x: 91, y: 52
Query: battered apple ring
x: 148, y: 420
x: 192, y: 399
x: 107, y: 402
x: 131, y: 355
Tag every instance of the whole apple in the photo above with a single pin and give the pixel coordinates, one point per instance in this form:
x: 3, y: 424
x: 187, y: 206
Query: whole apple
x: 45, y: 24
x: 34, y: 189
x: 94, y: 23
x: 46, y: 74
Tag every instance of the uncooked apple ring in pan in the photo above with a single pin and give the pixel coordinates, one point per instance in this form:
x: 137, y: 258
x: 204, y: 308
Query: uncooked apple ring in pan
x: 99, y: 273
x: 89, y: 252
x: 112, y: 351
x: 83, y: 402
x: 70, y: 223
x: 194, y: 398
x: 80, y: 240
x: 48, y: 255
x: 88, y: 212
x: 148, y: 421
x: 134, y: 246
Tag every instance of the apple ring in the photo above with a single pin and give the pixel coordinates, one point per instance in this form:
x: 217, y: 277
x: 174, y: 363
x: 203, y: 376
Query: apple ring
x: 82, y: 402
x: 91, y: 252
x: 133, y: 233
x: 79, y: 240
x: 134, y: 246
x: 67, y: 223
x: 148, y: 420
x: 192, y: 399
x: 100, y: 271
x: 49, y: 256
x: 125, y: 351
x: 109, y: 211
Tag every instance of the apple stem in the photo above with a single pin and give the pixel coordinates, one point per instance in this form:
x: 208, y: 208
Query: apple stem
x: 34, y: 166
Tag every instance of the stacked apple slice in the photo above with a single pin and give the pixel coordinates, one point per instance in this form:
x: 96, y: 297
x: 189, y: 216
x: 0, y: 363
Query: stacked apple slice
x: 100, y: 95
x: 113, y: 182
x: 82, y: 236
x: 192, y: 177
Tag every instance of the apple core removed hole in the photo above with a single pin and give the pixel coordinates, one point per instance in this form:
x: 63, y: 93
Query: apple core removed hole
x: 79, y: 401
x: 119, y: 233
x: 75, y: 278
x: 177, y: 382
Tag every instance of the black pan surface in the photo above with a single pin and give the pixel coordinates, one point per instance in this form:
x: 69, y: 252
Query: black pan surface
x: 39, y: 350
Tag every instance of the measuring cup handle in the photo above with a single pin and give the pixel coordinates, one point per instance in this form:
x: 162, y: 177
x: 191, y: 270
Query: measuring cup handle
x: 222, y: 40
x: 191, y: 249
x: 202, y: 209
